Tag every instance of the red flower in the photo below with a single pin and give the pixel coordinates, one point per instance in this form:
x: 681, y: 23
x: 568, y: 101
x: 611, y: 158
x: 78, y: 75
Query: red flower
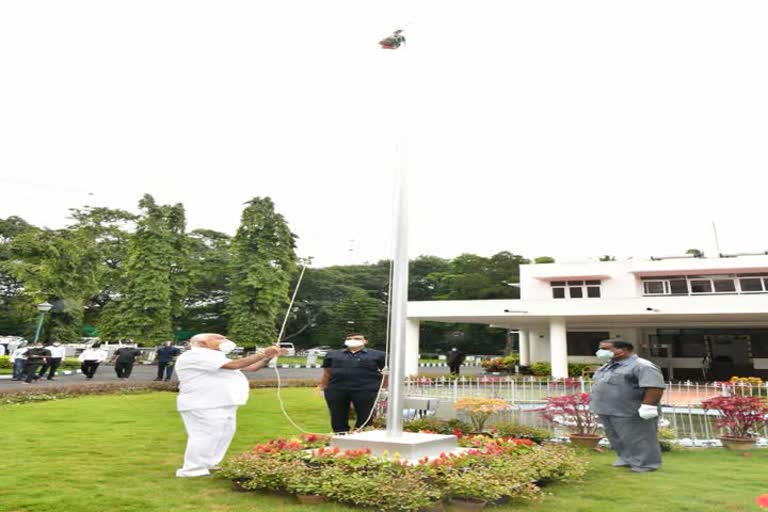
x: 762, y: 501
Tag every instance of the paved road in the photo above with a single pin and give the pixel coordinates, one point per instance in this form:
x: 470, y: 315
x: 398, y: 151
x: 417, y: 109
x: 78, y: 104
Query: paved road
x: 106, y: 373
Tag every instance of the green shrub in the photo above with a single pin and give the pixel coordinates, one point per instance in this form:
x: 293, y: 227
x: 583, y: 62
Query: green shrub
x: 666, y: 436
x: 544, y: 369
x: 504, y: 364
x: 541, y: 369
x: 519, y: 431
x: 492, y: 469
x: 436, y: 425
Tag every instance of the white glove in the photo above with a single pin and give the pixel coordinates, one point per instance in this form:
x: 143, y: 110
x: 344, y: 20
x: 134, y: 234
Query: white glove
x: 648, y: 411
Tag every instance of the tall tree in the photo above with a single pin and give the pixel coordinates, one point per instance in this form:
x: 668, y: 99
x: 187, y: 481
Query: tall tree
x: 263, y: 261
x: 209, y: 266
x: 110, y: 229
x: 61, y: 267
x: 150, y: 296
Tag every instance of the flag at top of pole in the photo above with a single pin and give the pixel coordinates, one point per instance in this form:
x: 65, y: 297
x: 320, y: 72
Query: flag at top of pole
x: 394, y: 41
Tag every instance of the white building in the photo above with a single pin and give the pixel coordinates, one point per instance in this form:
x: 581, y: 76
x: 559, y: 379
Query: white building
x: 689, y: 315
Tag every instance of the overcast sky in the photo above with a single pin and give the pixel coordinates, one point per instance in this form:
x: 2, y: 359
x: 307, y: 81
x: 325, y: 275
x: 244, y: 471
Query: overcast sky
x: 563, y: 128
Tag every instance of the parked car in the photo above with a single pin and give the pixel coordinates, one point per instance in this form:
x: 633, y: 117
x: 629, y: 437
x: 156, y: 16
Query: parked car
x: 290, y: 347
x: 320, y: 351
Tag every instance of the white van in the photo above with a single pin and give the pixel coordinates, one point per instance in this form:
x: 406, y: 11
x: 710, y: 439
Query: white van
x: 291, y: 349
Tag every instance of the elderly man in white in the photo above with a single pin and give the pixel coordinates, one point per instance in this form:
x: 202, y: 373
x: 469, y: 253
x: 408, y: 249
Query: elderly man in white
x: 211, y: 388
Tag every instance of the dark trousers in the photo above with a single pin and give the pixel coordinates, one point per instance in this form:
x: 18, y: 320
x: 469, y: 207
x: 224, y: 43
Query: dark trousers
x: 454, y: 367
x: 123, y: 370
x: 51, y: 365
x: 338, y: 404
x: 164, y: 367
x: 89, y: 368
x: 18, y: 368
x: 30, y: 371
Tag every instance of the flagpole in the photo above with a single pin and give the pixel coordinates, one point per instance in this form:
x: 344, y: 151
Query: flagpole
x: 399, y: 287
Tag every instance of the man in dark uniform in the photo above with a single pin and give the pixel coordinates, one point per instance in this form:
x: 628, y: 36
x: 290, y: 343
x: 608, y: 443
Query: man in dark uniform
x: 36, y: 356
x: 123, y: 360
x: 352, y: 376
x: 626, y: 392
x: 455, y: 359
x: 166, y: 355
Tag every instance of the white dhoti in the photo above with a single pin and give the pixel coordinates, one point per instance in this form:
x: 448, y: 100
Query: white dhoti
x: 209, y: 432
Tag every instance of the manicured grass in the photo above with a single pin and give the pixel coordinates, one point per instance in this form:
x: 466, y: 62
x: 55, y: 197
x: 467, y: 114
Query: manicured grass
x: 119, y: 452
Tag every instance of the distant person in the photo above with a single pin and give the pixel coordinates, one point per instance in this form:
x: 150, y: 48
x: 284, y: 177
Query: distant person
x: 90, y: 359
x: 166, y: 355
x: 52, y: 363
x: 352, y: 376
x: 123, y: 360
x: 18, y: 359
x: 455, y: 359
x: 36, y: 356
x: 211, y: 388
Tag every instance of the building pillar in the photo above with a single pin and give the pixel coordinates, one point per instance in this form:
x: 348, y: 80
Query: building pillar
x: 558, y: 347
x: 525, y: 347
x: 412, y: 347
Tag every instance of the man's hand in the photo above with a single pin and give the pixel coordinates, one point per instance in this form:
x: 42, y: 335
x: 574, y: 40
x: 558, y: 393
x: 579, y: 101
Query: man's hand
x: 274, y: 351
x: 648, y: 412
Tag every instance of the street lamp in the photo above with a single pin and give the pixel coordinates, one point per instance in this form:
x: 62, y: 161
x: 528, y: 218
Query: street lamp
x: 43, y: 308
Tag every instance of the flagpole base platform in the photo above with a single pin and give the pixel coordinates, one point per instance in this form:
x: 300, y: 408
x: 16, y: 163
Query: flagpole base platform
x: 410, y: 446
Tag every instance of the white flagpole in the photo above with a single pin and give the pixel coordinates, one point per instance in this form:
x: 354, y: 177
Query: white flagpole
x: 399, y: 288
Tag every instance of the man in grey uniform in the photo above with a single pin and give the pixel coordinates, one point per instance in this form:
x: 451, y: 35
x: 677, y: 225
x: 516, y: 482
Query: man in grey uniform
x: 626, y: 392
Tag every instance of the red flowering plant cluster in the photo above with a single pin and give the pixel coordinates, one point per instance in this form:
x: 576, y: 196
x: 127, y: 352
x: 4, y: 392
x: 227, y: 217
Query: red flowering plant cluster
x: 740, y: 416
x: 489, y: 468
x: 572, y: 412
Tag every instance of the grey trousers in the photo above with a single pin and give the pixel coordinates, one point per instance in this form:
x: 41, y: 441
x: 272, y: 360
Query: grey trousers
x: 635, y: 441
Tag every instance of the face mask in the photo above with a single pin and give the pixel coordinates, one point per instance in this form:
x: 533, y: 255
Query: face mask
x: 354, y: 343
x: 604, y: 355
x: 227, y: 346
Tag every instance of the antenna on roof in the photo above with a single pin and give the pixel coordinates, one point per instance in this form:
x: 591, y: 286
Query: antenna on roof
x: 717, y: 241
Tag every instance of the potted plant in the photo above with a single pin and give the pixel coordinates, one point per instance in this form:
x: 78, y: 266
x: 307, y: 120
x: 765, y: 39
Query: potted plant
x: 572, y: 412
x: 479, y: 410
x: 740, y: 419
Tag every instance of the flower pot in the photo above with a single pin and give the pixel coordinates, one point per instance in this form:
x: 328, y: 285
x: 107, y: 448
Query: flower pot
x: 468, y: 503
x: 310, y: 499
x: 738, y: 443
x: 585, y: 440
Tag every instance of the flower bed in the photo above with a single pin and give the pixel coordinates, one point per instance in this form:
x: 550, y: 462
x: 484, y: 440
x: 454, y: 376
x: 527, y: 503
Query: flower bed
x: 491, y: 469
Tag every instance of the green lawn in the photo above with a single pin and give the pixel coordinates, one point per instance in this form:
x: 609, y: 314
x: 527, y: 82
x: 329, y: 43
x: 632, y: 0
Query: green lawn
x: 119, y: 453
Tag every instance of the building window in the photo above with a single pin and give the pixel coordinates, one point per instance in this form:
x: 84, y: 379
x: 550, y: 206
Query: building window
x: 751, y: 284
x: 585, y: 343
x: 575, y: 289
x: 701, y: 285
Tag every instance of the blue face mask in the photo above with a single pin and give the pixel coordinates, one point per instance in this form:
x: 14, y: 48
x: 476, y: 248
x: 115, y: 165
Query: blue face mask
x: 604, y: 355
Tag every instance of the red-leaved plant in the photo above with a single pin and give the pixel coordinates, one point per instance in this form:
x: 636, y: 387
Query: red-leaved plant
x: 740, y: 416
x: 573, y: 412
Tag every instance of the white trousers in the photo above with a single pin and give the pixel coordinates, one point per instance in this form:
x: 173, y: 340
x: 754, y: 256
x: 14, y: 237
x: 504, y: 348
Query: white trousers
x: 209, y: 432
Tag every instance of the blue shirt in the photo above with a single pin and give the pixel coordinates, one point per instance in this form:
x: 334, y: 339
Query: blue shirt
x: 165, y: 354
x: 355, y: 371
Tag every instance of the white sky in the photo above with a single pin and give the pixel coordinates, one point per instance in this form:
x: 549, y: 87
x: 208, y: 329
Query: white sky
x: 562, y: 128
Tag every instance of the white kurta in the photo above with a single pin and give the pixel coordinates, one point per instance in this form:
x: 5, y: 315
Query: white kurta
x: 209, y: 396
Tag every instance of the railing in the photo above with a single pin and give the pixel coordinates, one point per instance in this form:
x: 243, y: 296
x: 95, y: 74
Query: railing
x: 681, y: 403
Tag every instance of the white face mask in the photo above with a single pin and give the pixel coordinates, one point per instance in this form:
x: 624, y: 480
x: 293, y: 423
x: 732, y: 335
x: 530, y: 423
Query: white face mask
x: 227, y: 346
x: 604, y: 355
x: 352, y: 343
